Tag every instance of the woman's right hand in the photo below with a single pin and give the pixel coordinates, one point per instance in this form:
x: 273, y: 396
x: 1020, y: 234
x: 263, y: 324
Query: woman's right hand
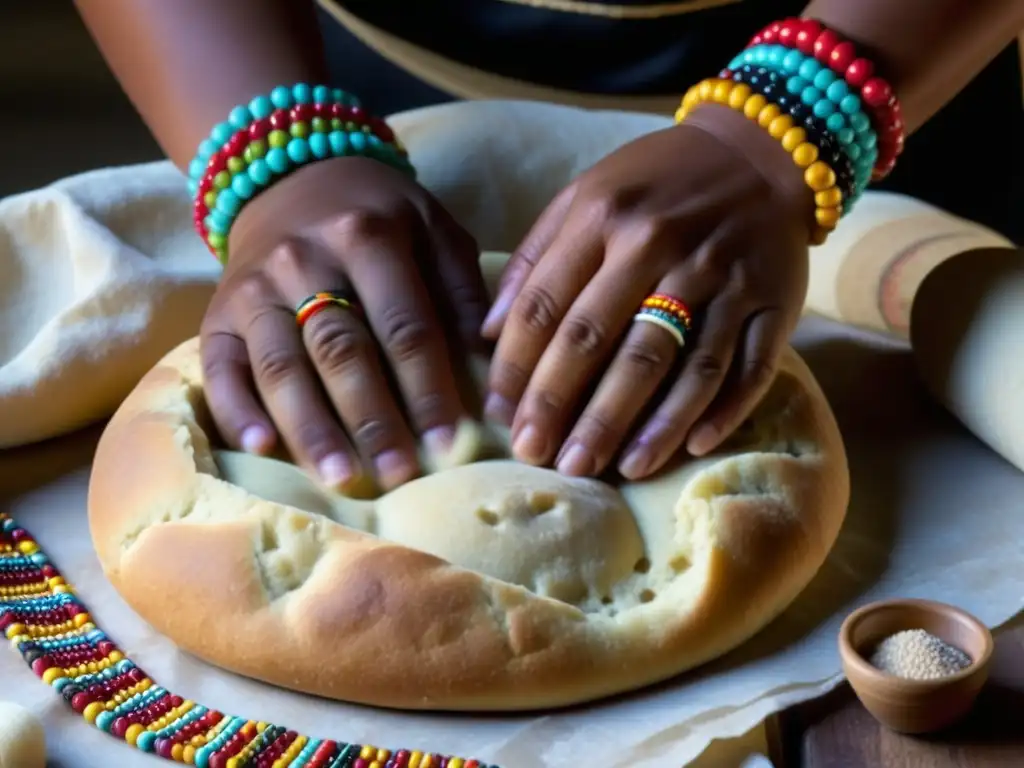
x: 350, y: 225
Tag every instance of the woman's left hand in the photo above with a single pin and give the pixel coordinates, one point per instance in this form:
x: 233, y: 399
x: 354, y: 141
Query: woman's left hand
x: 713, y: 212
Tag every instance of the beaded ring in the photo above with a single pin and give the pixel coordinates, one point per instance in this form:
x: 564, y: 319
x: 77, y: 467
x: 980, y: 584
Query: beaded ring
x: 818, y: 175
x: 663, y: 319
x: 313, y: 304
x: 271, y: 136
x: 812, y: 38
x: 772, y: 86
x: 665, y: 303
x: 55, y: 635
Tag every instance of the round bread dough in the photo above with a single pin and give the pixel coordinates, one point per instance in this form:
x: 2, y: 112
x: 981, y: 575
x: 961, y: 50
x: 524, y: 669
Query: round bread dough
x: 485, y: 585
x: 22, y: 738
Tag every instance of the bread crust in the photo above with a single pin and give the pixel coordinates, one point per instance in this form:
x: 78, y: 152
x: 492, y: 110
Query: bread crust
x: 296, y: 599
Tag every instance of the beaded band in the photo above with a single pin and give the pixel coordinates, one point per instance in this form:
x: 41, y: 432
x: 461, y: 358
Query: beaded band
x: 666, y: 303
x: 771, y: 85
x: 56, y: 636
x: 828, y: 97
x: 810, y: 37
x: 271, y: 136
x: 313, y: 304
x: 818, y: 175
x: 663, y: 319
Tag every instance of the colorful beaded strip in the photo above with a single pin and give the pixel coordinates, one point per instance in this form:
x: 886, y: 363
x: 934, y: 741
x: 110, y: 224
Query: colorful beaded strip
x: 665, y: 303
x: 313, y: 304
x: 818, y: 174
x: 806, y: 81
x: 271, y: 136
x: 850, y: 179
x: 54, y: 633
x: 812, y: 38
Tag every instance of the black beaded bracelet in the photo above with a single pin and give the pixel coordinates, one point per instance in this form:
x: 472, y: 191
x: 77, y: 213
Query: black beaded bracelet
x: 772, y: 86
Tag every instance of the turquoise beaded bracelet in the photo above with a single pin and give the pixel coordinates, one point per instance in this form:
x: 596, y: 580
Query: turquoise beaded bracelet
x: 269, y: 137
x: 827, y: 95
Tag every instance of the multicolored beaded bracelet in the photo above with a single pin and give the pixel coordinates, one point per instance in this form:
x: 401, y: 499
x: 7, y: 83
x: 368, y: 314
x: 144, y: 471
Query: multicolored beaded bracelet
x: 811, y: 37
x: 772, y: 86
x: 271, y: 136
x: 55, y: 635
x: 818, y: 174
x: 825, y: 93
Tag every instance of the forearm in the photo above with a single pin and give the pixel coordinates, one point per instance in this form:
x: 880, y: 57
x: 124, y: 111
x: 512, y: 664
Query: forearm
x: 186, y: 63
x: 927, y: 49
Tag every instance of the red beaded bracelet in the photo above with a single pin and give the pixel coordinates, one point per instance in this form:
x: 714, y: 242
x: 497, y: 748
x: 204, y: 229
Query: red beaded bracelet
x: 810, y: 37
x: 282, y: 120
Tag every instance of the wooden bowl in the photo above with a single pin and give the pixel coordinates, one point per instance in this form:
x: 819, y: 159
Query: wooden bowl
x: 914, y: 706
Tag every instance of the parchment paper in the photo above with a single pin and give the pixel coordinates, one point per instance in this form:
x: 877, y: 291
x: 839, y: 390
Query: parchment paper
x: 85, y: 271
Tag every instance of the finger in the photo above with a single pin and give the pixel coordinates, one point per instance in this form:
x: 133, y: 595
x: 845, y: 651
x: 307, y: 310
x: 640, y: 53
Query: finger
x: 645, y: 357
x: 755, y: 367
x: 704, y: 369
x: 231, y: 393
x: 379, y: 259
x: 348, y: 362
x: 291, y: 391
x: 459, y: 280
x: 532, y: 322
x: 538, y: 240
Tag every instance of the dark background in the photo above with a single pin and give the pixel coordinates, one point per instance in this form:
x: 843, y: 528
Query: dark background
x: 62, y: 112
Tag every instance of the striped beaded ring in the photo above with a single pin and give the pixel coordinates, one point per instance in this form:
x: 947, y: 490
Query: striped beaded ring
x: 818, y: 174
x: 271, y: 136
x: 667, y: 312
x: 56, y: 636
x: 313, y: 304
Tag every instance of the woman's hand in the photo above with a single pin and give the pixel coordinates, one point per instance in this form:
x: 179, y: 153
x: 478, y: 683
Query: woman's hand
x: 349, y: 225
x: 713, y: 212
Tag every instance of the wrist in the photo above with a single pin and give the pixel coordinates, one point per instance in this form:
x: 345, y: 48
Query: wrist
x: 771, y: 161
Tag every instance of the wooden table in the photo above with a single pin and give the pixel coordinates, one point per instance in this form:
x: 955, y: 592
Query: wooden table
x: 837, y: 732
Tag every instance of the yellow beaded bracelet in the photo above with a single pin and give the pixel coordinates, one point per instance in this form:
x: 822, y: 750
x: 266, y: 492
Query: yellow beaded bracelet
x: 818, y: 175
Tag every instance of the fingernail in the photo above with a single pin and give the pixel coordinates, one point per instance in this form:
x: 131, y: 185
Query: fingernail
x: 497, y: 408
x: 702, y: 440
x: 335, y: 470
x: 636, y: 462
x: 529, y: 445
x: 576, y: 461
x: 393, y: 468
x: 500, y: 306
x: 439, y: 439
x: 256, y: 439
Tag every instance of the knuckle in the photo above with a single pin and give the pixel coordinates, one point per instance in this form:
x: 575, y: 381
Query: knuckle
x: 374, y: 435
x: 597, y: 431
x: 254, y: 290
x: 758, y: 372
x: 335, y: 344
x: 536, y: 309
x: 707, y: 366
x: 427, y: 410
x: 544, y: 404
x: 315, y: 439
x: 360, y: 226
x: 646, y: 356
x: 287, y: 257
x: 405, y: 334
x: 508, y: 379
x: 274, y: 366
x: 585, y: 335
x: 605, y: 205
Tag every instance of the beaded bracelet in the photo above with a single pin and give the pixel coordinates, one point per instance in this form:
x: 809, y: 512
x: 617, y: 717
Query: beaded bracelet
x: 811, y: 37
x: 825, y: 92
x: 54, y: 633
x: 271, y: 136
x: 772, y: 86
x: 818, y: 175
